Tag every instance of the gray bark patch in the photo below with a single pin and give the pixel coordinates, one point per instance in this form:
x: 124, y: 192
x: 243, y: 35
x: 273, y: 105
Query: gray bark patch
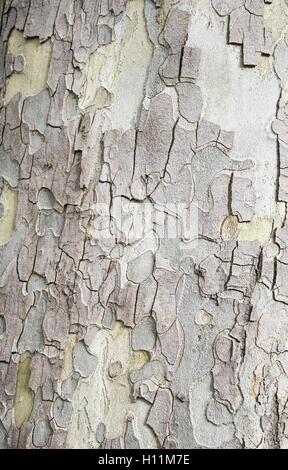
x: 83, y: 361
x: 144, y: 334
x: 140, y: 268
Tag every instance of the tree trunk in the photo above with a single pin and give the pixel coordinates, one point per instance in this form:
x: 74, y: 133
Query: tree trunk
x: 143, y: 228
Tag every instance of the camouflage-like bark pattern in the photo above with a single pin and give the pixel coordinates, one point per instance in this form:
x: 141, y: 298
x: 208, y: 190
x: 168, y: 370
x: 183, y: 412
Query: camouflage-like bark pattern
x: 143, y: 244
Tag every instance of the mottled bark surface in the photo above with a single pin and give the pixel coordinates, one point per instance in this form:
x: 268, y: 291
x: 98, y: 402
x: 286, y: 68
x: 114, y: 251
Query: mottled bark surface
x: 143, y: 228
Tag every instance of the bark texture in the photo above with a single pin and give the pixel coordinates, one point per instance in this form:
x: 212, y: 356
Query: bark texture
x: 143, y: 227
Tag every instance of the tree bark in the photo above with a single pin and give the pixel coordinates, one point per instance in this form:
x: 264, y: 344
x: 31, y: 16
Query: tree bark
x: 143, y: 228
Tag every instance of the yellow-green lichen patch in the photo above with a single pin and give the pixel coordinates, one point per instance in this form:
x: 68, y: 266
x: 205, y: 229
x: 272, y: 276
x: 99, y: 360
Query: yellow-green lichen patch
x: 116, y: 72
x: 258, y: 228
x: 276, y: 17
x: 68, y: 365
x: 36, y: 64
x: 9, y: 200
x: 24, y: 398
x: 106, y: 396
